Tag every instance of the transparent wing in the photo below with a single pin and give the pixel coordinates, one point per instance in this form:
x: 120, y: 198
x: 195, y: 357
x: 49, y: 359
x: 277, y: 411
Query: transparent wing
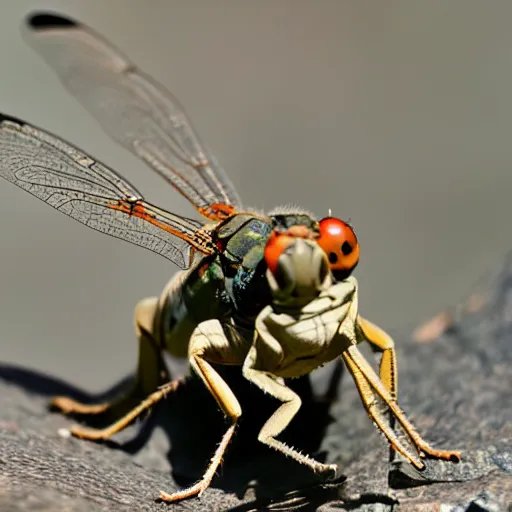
x: 85, y: 189
x: 136, y: 112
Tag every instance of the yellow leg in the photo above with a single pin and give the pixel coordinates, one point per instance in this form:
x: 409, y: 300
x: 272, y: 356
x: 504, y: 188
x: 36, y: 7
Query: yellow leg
x: 93, y: 434
x: 150, y: 373
x: 368, y: 383
x: 384, y: 343
x: 209, y: 342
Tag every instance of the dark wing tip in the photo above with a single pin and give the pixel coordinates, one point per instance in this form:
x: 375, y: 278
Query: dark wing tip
x: 41, y: 21
x: 5, y: 117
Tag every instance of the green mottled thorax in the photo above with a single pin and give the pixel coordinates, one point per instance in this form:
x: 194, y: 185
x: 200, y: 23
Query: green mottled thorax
x: 242, y: 240
x: 238, y: 235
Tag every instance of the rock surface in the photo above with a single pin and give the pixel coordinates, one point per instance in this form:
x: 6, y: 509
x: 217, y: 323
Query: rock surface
x: 456, y: 388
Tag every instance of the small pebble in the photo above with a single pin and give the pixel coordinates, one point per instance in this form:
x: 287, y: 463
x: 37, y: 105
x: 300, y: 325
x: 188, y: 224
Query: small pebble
x: 64, y: 432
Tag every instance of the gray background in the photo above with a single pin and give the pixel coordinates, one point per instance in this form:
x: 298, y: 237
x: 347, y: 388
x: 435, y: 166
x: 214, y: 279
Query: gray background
x: 395, y: 114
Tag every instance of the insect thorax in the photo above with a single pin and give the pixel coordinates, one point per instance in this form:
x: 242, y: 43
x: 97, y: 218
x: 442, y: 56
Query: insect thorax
x: 242, y: 240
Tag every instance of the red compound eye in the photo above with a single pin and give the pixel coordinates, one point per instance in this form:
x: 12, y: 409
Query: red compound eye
x: 339, y: 242
x: 276, y: 245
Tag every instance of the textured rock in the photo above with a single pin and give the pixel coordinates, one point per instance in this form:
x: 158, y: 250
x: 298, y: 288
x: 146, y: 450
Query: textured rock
x: 456, y: 388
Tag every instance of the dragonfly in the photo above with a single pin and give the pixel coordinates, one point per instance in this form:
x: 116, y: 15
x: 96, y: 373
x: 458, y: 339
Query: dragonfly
x: 272, y: 293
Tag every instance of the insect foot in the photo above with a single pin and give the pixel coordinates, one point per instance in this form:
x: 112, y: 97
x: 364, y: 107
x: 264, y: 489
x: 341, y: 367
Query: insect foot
x: 449, y: 455
x: 329, y: 471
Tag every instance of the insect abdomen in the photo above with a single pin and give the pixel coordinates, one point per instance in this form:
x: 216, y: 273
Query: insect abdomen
x: 200, y: 296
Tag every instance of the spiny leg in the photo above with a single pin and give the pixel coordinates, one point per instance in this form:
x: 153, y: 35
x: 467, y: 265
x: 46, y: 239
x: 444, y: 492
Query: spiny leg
x: 375, y: 413
x: 381, y: 341
x: 276, y: 387
x: 367, y: 382
x: 210, y: 342
x: 151, y: 373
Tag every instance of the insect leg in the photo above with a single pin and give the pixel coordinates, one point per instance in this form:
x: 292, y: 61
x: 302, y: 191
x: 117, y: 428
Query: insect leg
x: 291, y: 403
x: 209, y: 342
x: 382, y: 342
x: 385, y: 344
x: 367, y: 383
x: 93, y: 434
x: 151, y: 371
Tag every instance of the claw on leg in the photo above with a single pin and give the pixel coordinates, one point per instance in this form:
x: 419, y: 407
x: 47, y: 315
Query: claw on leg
x: 450, y: 455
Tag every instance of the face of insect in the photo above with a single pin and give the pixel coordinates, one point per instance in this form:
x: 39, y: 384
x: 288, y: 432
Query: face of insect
x: 297, y: 268
x: 304, y: 259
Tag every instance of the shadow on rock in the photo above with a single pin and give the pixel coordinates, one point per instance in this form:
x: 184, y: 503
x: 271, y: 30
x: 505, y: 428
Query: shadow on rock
x: 45, y: 385
x: 194, y: 426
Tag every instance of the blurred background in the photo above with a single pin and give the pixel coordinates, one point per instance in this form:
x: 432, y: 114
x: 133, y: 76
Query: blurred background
x: 397, y: 115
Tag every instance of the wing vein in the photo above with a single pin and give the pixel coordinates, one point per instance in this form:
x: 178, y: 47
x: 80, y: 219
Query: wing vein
x: 137, y: 112
x: 88, y: 191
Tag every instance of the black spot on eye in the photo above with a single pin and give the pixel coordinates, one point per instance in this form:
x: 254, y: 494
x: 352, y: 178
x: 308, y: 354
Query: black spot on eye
x: 333, y: 257
x: 346, y: 248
